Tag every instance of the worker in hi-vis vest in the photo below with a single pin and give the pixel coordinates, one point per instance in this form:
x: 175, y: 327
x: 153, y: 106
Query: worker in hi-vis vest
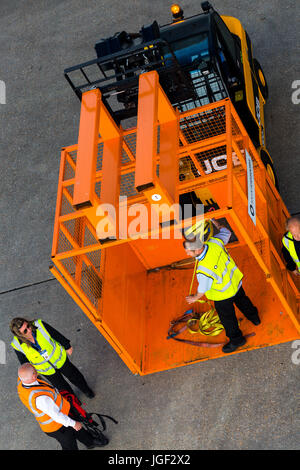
x: 51, y: 411
x: 47, y: 350
x: 220, y: 280
x: 291, y: 245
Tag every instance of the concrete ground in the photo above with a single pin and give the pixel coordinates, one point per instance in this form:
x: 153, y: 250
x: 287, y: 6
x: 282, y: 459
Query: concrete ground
x: 245, y: 401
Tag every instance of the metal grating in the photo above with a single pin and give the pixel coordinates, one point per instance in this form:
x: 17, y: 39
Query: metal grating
x: 66, y: 206
x: 130, y: 140
x: 208, y: 88
x: 91, y: 284
x: 63, y: 244
x: 127, y: 187
x: 203, y: 125
x: 69, y: 172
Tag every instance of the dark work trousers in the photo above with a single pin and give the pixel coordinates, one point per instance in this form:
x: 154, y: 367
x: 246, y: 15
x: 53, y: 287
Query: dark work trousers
x: 226, y: 312
x: 67, y: 437
x: 71, y: 372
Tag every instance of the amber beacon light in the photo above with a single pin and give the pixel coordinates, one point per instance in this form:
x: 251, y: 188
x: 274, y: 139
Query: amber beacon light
x: 177, y: 12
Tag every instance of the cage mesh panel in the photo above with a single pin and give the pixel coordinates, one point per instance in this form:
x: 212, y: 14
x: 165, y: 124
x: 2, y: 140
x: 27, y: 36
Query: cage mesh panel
x: 69, y: 173
x: 234, y: 128
x: 66, y: 206
x: 75, y: 228
x: 127, y: 187
x: 201, y: 90
x: 240, y: 145
x: 98, y: 188
x: 73, y: 155
x: 99, y: 157
x: 125, y: 157
x: 203, y: 125
x: 69, y: 265
x: 187, y: 169
x: 89, y: 238
x: 130, y: 140
x: 95, y: 257
x: 90, y: 284
x: 210, y: 161
x: 70, y: 189
x: 213, y: 160
x: 63, y: 244
x: 158, y: 140
x: 88, y: 281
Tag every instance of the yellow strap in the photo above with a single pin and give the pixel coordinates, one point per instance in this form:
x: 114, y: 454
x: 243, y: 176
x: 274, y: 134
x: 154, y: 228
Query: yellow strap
x: 209, y: 323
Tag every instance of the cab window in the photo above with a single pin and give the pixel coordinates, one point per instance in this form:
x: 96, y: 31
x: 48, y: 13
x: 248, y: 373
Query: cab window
x: 189, y: 49
x: 227, y: 41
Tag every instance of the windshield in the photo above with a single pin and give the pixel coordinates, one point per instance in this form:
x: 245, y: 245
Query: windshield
x: 190, y: 49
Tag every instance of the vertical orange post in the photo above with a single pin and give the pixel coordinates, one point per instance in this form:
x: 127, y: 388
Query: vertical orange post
x: 84, y: 187
x: 154, y: 108
x: 169, y: 142
x: 146, y: 141
x: 111, y: 167
x: 58, y: 202
x: 229, y: 154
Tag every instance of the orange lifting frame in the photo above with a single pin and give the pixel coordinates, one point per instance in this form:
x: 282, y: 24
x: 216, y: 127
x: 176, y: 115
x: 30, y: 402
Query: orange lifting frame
x: 117, y: 284
x: 87, y: 150
x: 154, y: 107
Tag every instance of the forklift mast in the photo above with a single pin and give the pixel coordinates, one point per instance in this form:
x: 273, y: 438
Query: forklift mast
x: 187, y: 55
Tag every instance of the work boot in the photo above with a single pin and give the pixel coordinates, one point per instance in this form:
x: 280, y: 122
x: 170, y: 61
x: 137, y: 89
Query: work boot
x: 230, y: 347
x: 255, y: 320
x: 253, y: 317
x: 101, y: 442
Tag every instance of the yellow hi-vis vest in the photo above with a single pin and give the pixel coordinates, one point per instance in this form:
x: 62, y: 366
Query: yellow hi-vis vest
x: 289, y: 244
x: 52, y: 357
x: 220, y: 267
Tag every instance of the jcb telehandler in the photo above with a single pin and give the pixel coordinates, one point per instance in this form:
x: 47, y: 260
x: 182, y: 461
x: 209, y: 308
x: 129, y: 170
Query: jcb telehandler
x: 200, y: 60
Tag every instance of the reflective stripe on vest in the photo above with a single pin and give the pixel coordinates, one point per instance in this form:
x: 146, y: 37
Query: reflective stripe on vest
x: 28, y: 395
x: 32, y: 397
x: 290, y: 246
x: 56, y: 354
x: 218, y: 265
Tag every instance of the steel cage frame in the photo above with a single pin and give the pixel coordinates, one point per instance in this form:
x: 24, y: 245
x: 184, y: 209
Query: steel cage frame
x: 77, y: 254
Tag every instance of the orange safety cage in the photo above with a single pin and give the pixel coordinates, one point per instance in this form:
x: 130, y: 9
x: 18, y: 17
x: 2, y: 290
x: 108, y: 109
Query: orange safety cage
x: 131, y: 287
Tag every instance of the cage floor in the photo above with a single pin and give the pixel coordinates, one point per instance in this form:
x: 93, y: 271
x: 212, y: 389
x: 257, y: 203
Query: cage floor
x: 166, y: 292
x: 139, y: 303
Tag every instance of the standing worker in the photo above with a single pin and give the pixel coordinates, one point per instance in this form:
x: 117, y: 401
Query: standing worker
x: 291, y: 245
x: 48, y: 350
x: 220, y: 280
x: 51, y: 411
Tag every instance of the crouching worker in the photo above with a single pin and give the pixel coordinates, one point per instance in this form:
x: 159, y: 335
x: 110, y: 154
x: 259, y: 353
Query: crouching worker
x: 51, y: 411
x: 220, y: 280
